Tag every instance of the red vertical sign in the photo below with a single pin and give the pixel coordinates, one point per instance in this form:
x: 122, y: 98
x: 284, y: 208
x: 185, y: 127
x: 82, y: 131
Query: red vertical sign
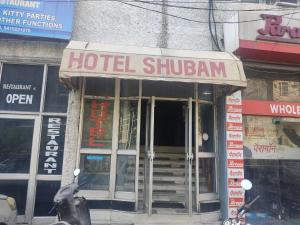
x: 234, y: 149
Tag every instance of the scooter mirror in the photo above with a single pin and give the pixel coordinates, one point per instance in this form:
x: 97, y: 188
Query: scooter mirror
x: 76, y: 172
x: 246, y: 184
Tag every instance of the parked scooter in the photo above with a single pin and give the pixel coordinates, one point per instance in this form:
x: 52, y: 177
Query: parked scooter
x: 8, y: 210
x: 71, y: 210
x: 241, y: 211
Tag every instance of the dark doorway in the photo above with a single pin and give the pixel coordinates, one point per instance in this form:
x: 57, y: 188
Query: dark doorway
x: 169, y: 124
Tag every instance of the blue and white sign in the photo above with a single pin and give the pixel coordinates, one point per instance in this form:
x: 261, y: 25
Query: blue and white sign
x: 40, y: 18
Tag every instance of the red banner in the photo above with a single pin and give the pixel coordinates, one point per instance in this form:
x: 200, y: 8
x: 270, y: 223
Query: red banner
x: 271, y: 108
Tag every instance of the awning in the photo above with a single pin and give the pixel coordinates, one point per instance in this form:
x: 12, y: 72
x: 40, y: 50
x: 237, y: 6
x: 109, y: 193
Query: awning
x: 85, y: 59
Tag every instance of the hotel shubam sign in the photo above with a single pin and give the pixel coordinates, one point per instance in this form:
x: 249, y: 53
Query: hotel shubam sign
x: 81, y: 59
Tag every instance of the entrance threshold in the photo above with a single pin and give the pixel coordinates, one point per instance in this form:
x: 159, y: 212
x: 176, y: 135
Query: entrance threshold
x: 125, y: 218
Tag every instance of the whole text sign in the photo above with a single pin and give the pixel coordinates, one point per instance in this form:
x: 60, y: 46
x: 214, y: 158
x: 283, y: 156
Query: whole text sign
x: 271, y: 108
x: 41, y: 18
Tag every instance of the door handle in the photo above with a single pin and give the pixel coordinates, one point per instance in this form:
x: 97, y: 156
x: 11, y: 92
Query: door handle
x: 149, y: 154
x: 189, y: 157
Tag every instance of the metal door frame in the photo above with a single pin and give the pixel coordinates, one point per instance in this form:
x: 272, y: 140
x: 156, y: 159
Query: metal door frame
x: 190, y: 156
x: 149, y: 155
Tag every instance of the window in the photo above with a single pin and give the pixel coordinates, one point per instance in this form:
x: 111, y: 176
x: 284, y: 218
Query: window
x: 271, y: 137
x: 286, y: 91
x: 284, y: 88
x: 56, y: 99
x: 97, y: 135
x: 16, y: 189
x: 125, y: 173
x: 95, y: 171
x: 109, y: 105
x: 206, y: 156
x: 168, y: 89
x: 43, y: 201
x: 15, y: 145
x: 98, y: 122
x: 128, y: 124
x: 272, y: 89
x: 33, y: 106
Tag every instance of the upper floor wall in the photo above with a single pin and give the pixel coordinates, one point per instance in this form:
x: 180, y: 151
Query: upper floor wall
x: 165, y: 24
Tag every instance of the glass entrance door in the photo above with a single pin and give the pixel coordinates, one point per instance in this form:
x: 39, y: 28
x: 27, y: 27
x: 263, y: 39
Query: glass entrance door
x: 168, y: 156
x: 149, y: 155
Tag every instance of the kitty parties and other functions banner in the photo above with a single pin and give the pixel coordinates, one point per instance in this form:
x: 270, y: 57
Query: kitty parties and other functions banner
x: 40, y: 18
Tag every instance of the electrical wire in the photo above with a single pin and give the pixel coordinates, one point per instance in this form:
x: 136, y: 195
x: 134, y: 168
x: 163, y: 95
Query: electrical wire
x: 196, y: 21
x: 215, y: 25
x: 155, y: 2
x: 217, y: 9
x: 212, y: 35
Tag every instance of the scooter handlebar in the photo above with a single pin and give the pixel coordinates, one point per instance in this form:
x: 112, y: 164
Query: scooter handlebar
x: 248, y: 206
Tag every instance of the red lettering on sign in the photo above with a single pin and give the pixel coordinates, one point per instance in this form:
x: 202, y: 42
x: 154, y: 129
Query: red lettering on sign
x: 218, y: 69
x: 118, y: 64
x: 274, y: 31
x: 270, y: 148
x: 236, y: 202
x: 163, y: 66
x: 106, y: 61
x: 149, y: 69
x: 189, y: 67
x: 235, y: 163
x: 98, y: 114
x: 76, y: 60
x: 179, y: 69
x: 127, y: 65
x: 90, y: 61
x: 234, y: 182
x: 202, y: 68
x: 235, y: 144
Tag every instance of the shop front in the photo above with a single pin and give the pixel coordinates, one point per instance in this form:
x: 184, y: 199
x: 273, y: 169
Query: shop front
x: 148, y: 132
x: 271, y: 56
x: 33, y: 111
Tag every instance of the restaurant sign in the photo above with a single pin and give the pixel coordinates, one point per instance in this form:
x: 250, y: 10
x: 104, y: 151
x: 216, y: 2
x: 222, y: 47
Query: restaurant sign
x: 40, y: 18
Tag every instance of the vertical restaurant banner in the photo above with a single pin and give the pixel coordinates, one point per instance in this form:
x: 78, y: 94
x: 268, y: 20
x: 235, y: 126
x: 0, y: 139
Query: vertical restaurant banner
x: 52, y: 145
x: 40, y: 18
x: 234, y: 150
x: 97, y: 123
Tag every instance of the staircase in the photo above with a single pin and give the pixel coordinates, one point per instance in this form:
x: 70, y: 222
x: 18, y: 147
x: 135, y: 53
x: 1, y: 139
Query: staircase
x: 168, y: 177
